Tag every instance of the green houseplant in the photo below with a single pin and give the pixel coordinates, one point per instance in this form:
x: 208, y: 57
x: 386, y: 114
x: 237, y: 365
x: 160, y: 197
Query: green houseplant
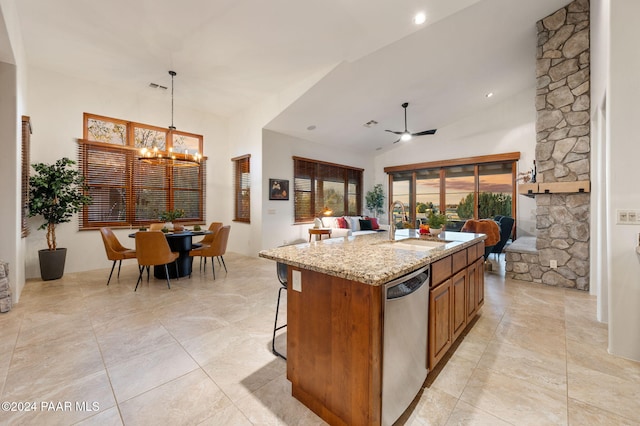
x: 436, y: 221
x: 375, y: 200
x: 56, y: 192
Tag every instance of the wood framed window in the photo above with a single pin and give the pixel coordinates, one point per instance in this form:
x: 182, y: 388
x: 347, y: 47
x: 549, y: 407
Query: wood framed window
x: 26, y: 170
x: 318, y: 184
x: 242, y: 188
x: 130, y: 190
x: 466, y: 188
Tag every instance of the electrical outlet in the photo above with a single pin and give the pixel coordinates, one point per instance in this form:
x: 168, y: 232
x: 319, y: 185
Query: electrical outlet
x: 553, y: 264
x: 297, y: 280
x: 623, y: 216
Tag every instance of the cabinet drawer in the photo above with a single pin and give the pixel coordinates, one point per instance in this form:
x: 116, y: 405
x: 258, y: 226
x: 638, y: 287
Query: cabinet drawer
x: 440, y: 271
x: 471, y: 253
x: 459, y: 260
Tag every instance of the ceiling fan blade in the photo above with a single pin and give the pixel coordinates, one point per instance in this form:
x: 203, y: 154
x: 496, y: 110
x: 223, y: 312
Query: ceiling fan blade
x: 397, y: 141
x: 426, y: 132
x: 391, y: 131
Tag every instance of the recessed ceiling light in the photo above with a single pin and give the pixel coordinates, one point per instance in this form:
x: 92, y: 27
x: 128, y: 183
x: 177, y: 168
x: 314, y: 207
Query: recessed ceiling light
x: 312, y: 127
x: 488, y: 95
x: 420, y: 18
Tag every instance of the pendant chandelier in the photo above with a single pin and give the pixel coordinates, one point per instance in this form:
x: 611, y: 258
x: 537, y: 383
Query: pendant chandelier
x: 155, y: 156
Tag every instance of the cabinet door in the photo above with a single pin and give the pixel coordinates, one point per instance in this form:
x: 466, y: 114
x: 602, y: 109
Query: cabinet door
x: 459, y: 311
x: 472, y: 278
x: 479, y: 283
x: 439, y: 322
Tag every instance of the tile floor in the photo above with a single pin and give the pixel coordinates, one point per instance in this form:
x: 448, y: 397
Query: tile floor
x: 200, y: 354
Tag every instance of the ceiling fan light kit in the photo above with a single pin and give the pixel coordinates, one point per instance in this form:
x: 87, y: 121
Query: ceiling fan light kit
x: 406, y: 134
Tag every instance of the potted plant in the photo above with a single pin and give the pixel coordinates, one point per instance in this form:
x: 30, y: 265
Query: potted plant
x: 436, y: 222
x: 56, y: 192
x: 375, y: 200
x: 168, y: 216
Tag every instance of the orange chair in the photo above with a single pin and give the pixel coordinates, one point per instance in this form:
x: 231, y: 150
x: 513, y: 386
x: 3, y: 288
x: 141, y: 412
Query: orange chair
x: 115, y: 250
x: 217, y: 248
x: 208, y: 238
x: 153, y: 249
x: 484, y: 226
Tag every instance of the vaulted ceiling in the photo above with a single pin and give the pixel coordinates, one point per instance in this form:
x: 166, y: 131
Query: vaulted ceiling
x: 230, y: 54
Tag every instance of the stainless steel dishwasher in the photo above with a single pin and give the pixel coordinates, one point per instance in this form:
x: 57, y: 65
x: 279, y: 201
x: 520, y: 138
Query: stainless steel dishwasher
x: 404, y: 357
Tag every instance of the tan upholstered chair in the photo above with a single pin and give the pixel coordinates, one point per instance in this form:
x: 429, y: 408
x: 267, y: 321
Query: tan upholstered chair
x: 156, y: 226
x: 217, y: 248
x: 153, y: 249
x: 115, y: 250
x: 208, y: 238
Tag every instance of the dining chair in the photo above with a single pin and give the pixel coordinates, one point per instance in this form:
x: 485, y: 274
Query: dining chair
x: 217, y: 248
x: 281, y: 270
x: 115, y: 251
x: 208, y: 239
x: 156, y: 226
x: 153, y: 249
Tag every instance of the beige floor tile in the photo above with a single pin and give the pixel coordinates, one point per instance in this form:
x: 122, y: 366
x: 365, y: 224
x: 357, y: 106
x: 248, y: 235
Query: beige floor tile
x: 586, y: 354
x: 228, y: 416
x: 433, y: 408
x: 80, y: 395
x: 129, y: 379
x: 200, y: 353
x: 514, y: 400
x: 464, y: 414
x: 273, y: 404
x: 109, y: 417
x: 604, y: 391
x: 584, y: 414
x: 190, y: 399
x: 125, y: 337
x: 454, y: 376
x: 525, y: 364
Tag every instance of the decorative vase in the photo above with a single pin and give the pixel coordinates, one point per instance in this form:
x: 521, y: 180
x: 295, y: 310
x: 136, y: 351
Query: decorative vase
x: 177, y: 228
x: 436, y: 231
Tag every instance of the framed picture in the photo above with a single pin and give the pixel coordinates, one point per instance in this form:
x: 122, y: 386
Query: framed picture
x: 278, y: 189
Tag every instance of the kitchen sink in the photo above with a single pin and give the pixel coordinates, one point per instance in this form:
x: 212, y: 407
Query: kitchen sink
x: 414, y: 244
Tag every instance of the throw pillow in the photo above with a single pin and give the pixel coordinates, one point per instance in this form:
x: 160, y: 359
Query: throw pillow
x: 365, y: 225
x: 374, y: 223
x: 342, y: 222
x: 355, y: 223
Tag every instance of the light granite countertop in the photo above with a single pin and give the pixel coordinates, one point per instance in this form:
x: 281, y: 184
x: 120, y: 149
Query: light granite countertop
x: 371, y: 259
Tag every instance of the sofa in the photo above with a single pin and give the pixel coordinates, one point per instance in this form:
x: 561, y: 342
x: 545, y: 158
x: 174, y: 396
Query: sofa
x: 345, y: 226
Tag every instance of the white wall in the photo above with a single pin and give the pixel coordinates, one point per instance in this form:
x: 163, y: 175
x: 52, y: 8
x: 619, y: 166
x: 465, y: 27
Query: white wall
x: 278, y: 226
x: 57, y: 103
x: 623, y: 115
x: 598, y: 248
x: 12, y: 108
x: 504, y: 126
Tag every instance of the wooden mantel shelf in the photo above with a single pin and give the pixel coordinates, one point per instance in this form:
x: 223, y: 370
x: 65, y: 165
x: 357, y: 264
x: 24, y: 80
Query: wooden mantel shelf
x: 533, y: 189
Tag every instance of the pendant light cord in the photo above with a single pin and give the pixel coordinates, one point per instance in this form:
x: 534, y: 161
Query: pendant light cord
x: 172, y: 74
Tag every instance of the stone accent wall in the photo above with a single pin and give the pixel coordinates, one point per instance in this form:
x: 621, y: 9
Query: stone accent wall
x: 563, y: 146
x: 5, y: 290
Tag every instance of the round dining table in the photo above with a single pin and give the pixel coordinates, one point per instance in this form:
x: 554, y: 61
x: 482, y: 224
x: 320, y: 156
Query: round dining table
x: 181, y: 242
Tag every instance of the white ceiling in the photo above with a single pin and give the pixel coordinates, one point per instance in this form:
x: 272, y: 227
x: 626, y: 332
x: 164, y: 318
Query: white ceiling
x: 230, y: 54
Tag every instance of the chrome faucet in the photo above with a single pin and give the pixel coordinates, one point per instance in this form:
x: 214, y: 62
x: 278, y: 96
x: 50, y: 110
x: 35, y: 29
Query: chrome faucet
x: 392, y: 224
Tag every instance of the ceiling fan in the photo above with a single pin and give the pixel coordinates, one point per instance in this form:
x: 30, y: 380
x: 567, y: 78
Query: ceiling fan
x: 406, y: 135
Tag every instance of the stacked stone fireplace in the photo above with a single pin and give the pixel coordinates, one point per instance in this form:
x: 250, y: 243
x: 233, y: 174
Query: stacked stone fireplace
x: 562, y: 153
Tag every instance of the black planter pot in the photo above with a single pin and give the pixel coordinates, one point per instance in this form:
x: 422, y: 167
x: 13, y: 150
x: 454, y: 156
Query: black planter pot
x: 52, y: 263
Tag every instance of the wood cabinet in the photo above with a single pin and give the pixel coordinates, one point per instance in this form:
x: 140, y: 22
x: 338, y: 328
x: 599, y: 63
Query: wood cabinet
x: 456, y: 295
x: 440, y: 317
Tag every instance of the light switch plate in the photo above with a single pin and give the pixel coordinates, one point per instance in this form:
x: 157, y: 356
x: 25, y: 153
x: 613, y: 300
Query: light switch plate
x: 296, y: 277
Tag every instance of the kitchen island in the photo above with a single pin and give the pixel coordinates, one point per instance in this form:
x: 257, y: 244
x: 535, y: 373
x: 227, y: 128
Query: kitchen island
x: 336, y: 314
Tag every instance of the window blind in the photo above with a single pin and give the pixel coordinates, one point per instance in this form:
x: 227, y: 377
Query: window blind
x: 242, y: 188
x: 319, y: 184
